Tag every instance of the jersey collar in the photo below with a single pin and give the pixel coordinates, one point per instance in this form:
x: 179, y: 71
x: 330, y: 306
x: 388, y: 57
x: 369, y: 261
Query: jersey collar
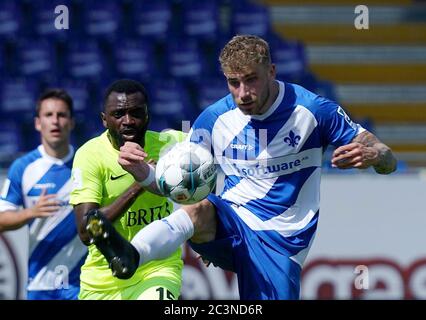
x: 57, y: 161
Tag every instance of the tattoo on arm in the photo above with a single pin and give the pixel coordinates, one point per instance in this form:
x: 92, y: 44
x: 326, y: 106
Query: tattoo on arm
x: 386, y: 161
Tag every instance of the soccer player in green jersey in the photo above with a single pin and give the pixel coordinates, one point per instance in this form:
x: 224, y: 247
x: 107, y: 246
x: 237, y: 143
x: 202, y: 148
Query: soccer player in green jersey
x: 103, y: 187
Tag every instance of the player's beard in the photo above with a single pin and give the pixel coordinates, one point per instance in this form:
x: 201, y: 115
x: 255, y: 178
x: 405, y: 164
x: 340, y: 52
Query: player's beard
x: 116, y: 139
x: 119, y: 140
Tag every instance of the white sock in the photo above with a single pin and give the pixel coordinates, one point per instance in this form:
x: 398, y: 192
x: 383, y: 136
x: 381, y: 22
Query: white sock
x: 161, y: 238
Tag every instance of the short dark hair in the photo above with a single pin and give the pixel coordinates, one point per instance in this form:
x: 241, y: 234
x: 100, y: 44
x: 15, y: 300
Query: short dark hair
x: 127, y: 86
x: 55, y: 93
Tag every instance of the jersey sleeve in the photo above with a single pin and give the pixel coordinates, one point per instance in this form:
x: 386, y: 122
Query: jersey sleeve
x: 86, y: 178
x: 201, y: 131
x: 336, y: 126
x: 11, y: 197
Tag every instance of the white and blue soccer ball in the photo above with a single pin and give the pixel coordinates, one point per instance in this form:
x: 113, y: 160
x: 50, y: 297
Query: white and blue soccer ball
x: 186, y: 173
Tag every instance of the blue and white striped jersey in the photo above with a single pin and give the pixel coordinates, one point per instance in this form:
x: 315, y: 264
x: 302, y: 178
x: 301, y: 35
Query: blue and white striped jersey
x: 55, y: 250
x: 272, y: 162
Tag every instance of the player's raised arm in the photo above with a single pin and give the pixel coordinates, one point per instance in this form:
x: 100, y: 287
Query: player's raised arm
x: 132, y: 159
x: 364, y: 151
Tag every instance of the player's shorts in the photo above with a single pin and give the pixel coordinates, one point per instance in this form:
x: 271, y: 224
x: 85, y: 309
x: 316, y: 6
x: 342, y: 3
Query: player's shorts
x: 155, y: 288
x: 69, y: 293
x: 263, y: 271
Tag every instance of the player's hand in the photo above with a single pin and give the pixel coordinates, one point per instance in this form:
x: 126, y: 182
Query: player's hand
x: 354, y: 155
x: 46, y: 206
x: 132, y: 159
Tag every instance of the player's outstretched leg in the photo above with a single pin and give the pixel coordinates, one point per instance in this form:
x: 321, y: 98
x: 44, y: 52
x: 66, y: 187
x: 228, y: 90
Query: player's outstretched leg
x: 122, y: 257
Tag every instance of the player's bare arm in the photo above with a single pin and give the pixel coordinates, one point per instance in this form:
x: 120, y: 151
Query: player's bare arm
x: 132, y: 159
x: 111, y: 212
x: 364, y: 151
x: 46, y: 206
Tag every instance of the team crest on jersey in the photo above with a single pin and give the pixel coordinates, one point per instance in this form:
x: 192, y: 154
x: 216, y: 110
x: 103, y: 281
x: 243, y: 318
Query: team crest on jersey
x: 292, y: 139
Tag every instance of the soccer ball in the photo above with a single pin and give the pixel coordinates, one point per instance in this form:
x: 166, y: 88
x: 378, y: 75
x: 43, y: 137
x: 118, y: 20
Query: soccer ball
x: 186, y: 173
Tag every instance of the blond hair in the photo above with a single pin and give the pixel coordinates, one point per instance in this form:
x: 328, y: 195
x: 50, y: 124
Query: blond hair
x: 243, y: 52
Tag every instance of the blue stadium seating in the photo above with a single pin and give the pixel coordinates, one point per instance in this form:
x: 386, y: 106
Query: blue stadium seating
x: 17, y: 105
x: 250, y: 18
x: 102, y: 19
x: 17, y: 97
x: 210, y: 90
x: 289, y: 58
x: 200, y: 19
x: 10, y: 141
x: 36, y: 58
x: 172, y: 46
x: 170, y: 104
x: 2, y: 59
x: 85, y: 60
x: 152, y: 19
x: 184, y: 59
x: 41, y: 20
x: 10, y: 19
x: 135, y: 59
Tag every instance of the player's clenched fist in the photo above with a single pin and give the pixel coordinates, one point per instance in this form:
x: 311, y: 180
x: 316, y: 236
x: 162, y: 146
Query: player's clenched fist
x: 131, y: 158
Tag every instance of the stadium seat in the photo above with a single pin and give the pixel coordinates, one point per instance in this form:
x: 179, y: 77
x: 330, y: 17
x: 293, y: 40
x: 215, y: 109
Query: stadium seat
x: 85, y: 61
x: 135, y: 59
x: 200, y: 19
x: 82, y: 94
x: 289, y: 58
x: 170, y: 104
x: 17, y: 102
x: 209, y: 91
x: 35, y: 58
x: 10, y: 142
x: 42, y: 22
x: 87, y: 97
x: 18, y: 96
x: 250, y: 18
x: 184, y: 59
x: 152, y: 19
x: 10, y: 19
x: 3, y: 63
x: 102, y: 19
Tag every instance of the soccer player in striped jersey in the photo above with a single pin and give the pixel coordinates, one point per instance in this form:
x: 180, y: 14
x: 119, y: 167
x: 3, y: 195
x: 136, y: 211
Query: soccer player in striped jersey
x: 103, y: 191
x: 268, y: 137
x: 36, y: 193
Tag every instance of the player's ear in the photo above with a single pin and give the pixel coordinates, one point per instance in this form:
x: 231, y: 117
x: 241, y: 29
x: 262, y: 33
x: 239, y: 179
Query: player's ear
x: 37, y: 123
x: 103, y: 117
x: 272, y: 71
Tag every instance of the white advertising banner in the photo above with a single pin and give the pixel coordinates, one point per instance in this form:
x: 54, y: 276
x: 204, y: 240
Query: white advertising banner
x: 13, y: 264
x: 370, y: 241
x: 370, y: 244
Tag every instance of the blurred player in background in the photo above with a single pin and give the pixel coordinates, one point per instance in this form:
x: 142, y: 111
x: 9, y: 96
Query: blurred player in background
x: 40, y: 182
x: 103, y: 189
x: 268, y: 138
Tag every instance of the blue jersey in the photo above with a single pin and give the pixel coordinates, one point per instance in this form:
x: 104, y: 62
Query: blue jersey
x: 55, y: 250
x: 272, y: 162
